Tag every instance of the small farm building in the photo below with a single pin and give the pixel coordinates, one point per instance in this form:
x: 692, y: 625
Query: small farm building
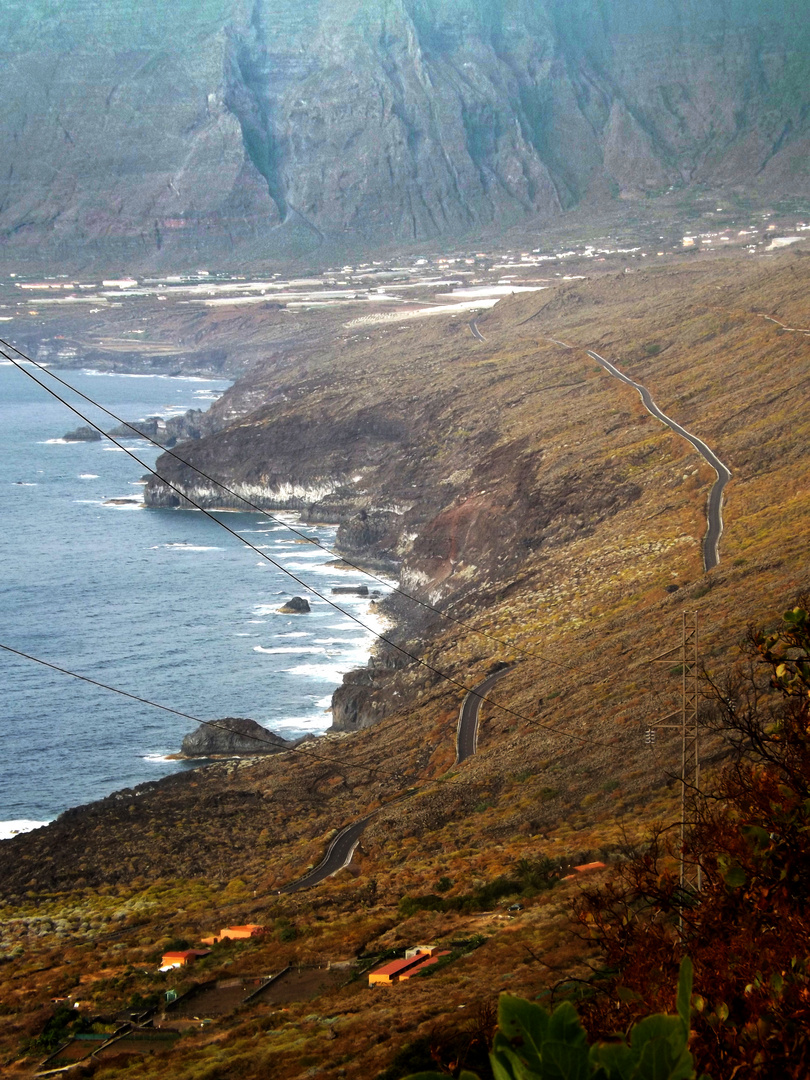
x: 415, y: 960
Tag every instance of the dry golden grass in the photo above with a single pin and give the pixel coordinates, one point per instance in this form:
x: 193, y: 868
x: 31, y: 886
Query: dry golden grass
x: 553, y: 512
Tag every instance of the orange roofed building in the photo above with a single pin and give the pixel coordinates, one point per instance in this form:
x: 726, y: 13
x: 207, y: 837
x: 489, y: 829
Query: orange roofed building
x: 181, y: 958
x: 236, y: 933
x: 416, y: 960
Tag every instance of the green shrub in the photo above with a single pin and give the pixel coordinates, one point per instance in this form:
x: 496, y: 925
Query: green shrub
x: 532, y: 1044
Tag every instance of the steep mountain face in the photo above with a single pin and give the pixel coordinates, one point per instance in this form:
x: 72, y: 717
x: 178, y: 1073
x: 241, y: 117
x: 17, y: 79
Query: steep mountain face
x: 264, y: 127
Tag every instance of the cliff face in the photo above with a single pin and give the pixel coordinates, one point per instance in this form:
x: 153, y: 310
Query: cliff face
x: 263, y: 128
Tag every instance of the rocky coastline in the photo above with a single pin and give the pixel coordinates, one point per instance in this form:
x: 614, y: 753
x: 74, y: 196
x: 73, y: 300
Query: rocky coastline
x: 231, y: 737
x: 166, y: 430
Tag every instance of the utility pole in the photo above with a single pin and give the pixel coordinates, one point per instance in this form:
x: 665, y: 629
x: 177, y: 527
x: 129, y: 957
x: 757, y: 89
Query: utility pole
x: 688, y: 715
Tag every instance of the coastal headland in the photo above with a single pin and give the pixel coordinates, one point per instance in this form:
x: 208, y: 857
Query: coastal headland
x: 536, y: 515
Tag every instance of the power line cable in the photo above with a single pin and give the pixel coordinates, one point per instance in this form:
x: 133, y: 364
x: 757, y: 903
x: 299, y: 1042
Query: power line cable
x: 332, y: 759
x: 166, y: 708
x: 271, y: 517
x: 279, y: 566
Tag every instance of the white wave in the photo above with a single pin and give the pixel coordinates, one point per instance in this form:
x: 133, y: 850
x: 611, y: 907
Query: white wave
x: 268, y: 609
x: 89, y: 476
x: 295, y: 650
x: 323, y: 672
x: 295, y: 723
x: 125, y: 375
x: 304, y: 553
x: 155, y: 759
x: 24, y: 483
x: 56, y: 442
x: 324, y: 568
x: 110, y: 449
x: 20, y: 825
x: 295, y: 633
x: 325, y: 702
x: 256, y: 622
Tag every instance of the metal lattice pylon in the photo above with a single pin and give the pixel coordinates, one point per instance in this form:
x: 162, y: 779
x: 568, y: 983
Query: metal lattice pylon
x: 688, y: 717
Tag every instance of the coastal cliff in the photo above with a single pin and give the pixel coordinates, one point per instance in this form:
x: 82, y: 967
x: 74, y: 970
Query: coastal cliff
x: 474, y: 468
x: 247, y: 130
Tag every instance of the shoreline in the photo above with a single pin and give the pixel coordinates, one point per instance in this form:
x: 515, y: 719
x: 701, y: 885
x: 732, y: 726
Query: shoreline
x: 303, y: 715
x: 20, y: 826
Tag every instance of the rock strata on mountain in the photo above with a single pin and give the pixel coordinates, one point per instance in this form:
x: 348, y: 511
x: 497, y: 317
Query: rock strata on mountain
x: 232, y: 737
x: 157, y: 133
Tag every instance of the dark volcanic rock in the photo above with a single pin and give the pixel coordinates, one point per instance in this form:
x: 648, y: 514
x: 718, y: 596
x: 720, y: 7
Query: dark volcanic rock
x: 297, y: 605
x: 192, y: 424
x: 231, y: 737
x: 82, y: 434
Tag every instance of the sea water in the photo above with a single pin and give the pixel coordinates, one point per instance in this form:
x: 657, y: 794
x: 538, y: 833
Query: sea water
x: 161, y: 603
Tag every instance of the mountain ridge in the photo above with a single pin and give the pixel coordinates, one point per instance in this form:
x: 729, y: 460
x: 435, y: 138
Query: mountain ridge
x: 263, y: 130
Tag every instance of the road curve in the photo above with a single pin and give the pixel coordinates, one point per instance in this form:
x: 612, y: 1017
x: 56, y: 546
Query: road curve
x: 476, y: 333
x: 338, y: 854
x: 714, y: 509
x: 340, y: 851
x: 467, y: 731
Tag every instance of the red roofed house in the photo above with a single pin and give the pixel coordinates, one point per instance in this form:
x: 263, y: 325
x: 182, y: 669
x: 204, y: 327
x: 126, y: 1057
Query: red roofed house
x: 426, y: 962
x: 400, y: 970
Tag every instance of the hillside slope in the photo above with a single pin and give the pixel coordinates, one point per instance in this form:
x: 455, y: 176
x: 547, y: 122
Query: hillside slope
x: 529, y: 494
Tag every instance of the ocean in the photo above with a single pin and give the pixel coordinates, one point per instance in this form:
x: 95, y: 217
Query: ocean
x: 161, y: 603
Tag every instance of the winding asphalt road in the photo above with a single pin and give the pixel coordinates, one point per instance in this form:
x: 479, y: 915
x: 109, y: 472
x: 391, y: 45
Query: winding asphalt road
x: 338, y: 854
x: 467, y: 732
x: 714, y: 509
x: 340, y: 851
x: 476, y: 333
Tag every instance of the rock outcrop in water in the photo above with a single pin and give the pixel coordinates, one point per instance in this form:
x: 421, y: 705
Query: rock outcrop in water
x: 168, y: 133
x: 232, y: 737
x: 82, y: 434
x: 296, y: 605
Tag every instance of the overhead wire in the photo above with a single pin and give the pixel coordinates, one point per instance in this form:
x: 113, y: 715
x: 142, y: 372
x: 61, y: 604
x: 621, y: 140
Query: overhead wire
x: 279, y: 566
x: 271, y: 517
x: 332, y: 759
x: 218, y: 724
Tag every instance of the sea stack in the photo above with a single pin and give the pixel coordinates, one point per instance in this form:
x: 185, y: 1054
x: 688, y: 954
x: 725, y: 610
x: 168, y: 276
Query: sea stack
x: 232, y: 737
x: 297, y: 605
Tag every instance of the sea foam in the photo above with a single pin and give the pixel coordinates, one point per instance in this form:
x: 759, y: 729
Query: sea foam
x: 21, y: 825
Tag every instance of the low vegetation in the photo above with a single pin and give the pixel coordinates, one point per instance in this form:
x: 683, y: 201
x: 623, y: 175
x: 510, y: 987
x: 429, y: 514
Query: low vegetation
x: 575, y: 539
